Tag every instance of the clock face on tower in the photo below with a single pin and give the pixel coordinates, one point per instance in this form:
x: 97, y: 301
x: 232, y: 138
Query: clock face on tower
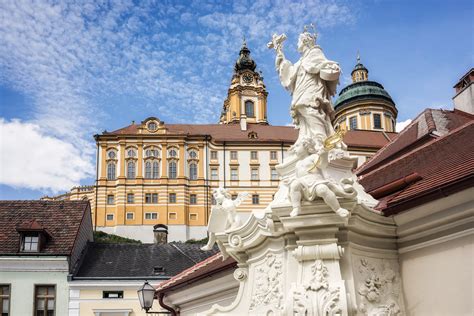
x: 248, y: 78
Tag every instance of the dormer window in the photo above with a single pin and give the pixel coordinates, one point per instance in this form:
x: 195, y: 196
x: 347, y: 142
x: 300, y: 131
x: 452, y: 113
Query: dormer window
x: 33, y: 236
x: 30, y: 242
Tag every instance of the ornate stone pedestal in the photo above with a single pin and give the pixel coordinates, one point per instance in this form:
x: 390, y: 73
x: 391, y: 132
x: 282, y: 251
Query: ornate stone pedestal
x: 316, y: 263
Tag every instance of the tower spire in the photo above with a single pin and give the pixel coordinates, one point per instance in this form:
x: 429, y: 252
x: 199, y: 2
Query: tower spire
x: 359, y: 73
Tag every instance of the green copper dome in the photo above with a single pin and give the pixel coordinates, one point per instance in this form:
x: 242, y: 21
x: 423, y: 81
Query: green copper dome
x: 362, y: 90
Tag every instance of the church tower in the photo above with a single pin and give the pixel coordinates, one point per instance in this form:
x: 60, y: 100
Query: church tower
x: 247, y: 96
x: 365, y: 104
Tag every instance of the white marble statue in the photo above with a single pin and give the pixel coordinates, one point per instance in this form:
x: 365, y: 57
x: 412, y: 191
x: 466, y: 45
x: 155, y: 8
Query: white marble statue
x: 311, y: 81
x: 310, y: 180
x: 223, y: 215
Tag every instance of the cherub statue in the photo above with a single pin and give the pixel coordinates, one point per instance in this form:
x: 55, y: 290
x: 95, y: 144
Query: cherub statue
x: 310, y: 180
x: 223, y: 215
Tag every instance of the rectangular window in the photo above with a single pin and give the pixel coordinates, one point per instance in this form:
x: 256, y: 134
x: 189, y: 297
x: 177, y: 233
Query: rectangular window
x: 233, y: 155
x: 193, y: 199
x: 214, y: 174
x: 173, y: 215
x: 130, y: 198
x: 151, y: 215
x: 110, y: 217
x: 5, y: 299
x: 214, y: 155
x: 193, y: 216
x: 130, y: 216
x: 274, y: 174
x: 273, y: 155
x: 110, y: 199
x: 255, y: 199
x: 377, y: 121
x: 234, y: 174
x: 254, y: 174
x: 112, y: 294
x: 353, y: 123
x: 254, y: 155
x: 45, y: 300
x: 172, y: 198
x: 30, y: 243
x: 154, y: 198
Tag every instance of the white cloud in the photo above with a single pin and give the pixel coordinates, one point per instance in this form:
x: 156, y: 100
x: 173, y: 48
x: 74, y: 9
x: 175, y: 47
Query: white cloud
x: 71, y: 58
x: 401, y: 125
x: 31, y: 159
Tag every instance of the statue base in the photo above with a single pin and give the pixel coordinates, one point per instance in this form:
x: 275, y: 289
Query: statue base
x: 316, y: 263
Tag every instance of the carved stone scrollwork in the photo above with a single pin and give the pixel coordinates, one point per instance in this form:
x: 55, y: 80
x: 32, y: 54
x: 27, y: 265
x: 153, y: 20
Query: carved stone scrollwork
x: 317, y: 297
x: 235, y: 241
x: 267, y: 292
x: 330, y: 251
x: 379, y: 291
x: 240, y: 274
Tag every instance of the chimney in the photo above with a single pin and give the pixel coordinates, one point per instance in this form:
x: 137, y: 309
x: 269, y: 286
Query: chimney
x: 464, y: 98
x: 160, y: 232
x: 243, y: 122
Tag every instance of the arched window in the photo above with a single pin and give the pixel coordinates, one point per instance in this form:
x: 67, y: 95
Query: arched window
x: 131, y: 153
x: 172, y: 153
x: 192, y: 154
x: 192, y: 171
x: 156, y: 170
x: 249, y: 109
x: 151, y: 153
x: 172, y: 169
x: 131, y: 170
x: 111, y: 171
x: 111, y: 154
x: 148, y: 170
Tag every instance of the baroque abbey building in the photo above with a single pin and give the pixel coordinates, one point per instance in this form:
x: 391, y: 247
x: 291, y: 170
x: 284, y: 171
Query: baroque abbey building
x: 153, y: 173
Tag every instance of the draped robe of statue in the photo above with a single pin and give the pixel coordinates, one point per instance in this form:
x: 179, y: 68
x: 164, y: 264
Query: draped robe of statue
x: 311, y: 107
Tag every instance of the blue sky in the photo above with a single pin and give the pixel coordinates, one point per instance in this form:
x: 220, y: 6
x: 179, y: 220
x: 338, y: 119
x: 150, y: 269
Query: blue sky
x: 70, y: 70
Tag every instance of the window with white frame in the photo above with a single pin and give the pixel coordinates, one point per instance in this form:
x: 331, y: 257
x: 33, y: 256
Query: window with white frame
x: 213, y: 154
x: 156, y: 170
x: 274, y: 174
x: 255, y: 199
x: 214, y: 174
x: 377, y: 121
x: 30, y: 242
x: 152, y: 153
x: 172, y: 153
x: 131, y: 153
x: 193, y: 154
x: 172, y: 198
x: 131, y: 170
x: 193, y: 171
x: 130, y: 215
x: 45, y: 300
x: 249, y: 108
x: 111, y: 171
x: 254, y: 155
x: 254, y: 174
x: 151, y: 215
x: 172, y: 215
x: 148, y: 170
x: 110, y: 217
x: 130, y: 198
x: 353, y: 123
x: 110, y: 199
x: 193, y: 199
x: 273, y: 155
x: 234, y: 174
x: 5, y: 299
x: 233, y: 155
x: 172, y: 174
